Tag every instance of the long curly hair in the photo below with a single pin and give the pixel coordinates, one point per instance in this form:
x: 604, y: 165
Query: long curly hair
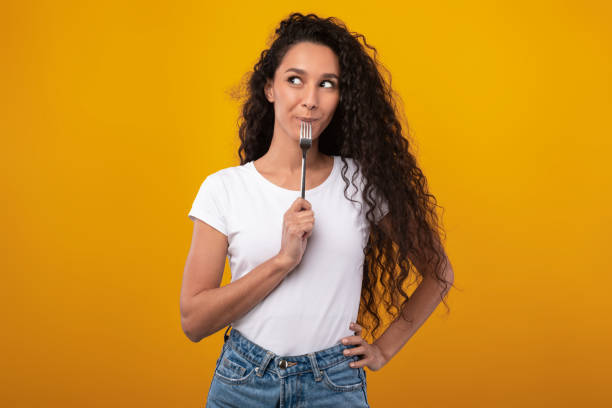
x: 367, y: 112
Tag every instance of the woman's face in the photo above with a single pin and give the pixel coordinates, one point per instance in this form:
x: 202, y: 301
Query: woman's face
x: 305, y: 85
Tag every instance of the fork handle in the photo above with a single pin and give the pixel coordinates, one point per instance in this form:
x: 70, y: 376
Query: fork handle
x: 303, y: 173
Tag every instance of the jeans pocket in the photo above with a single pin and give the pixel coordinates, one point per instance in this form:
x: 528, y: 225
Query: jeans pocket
x: 233, y: 368
x: 342, y: 377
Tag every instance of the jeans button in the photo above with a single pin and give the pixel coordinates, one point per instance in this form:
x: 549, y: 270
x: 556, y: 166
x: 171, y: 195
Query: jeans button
x: 282, y: 364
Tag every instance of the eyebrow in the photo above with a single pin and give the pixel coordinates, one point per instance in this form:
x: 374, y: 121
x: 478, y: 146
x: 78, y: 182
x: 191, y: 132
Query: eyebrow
x: 302, y: 72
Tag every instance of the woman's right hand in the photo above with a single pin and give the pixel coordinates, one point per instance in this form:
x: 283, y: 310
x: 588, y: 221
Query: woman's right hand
x: 298, y: 223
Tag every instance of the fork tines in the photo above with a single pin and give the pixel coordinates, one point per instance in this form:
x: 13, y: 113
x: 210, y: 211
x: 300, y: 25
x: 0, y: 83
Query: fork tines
x: 305, y: 144
x: 305, y: 134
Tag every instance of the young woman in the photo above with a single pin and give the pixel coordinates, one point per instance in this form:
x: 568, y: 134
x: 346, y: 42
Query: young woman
x: 306, y: 271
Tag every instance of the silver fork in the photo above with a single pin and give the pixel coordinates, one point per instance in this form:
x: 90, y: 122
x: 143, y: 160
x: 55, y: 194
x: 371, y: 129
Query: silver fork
x: 305, y: 143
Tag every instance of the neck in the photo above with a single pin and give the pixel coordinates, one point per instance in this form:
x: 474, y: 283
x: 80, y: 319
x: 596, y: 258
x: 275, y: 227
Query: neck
x: 285, y: 154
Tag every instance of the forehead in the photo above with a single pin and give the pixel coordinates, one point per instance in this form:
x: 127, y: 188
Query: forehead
x: 310, y: 57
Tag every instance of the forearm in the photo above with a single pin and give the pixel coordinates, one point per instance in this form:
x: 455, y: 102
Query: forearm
x: 421, y: 305
x: 213, y: 309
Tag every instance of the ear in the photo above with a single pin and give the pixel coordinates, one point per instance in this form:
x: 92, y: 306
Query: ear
x: 268, y: 91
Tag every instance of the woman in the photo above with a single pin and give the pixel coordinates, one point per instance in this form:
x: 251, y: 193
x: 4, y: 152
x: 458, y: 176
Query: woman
x: 304, y: 271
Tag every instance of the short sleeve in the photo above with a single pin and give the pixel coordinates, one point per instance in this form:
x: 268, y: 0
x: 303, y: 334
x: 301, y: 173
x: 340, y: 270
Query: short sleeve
x: 208, y: 204
x: 382, y: 210
x: 381, y: 207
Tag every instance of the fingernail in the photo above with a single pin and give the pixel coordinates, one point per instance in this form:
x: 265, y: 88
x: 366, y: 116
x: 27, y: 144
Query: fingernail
x: 344, y: 341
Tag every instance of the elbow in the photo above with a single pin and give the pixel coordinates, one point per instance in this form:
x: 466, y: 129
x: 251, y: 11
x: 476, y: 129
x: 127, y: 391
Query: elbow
x: 187, y: 323
x: 450, y: 276
x: 444, y: 278
x: 448, y: 273
x: 188, y: 330
x: 194, y: 332
x: 196, y: 325
x: 193, y: 338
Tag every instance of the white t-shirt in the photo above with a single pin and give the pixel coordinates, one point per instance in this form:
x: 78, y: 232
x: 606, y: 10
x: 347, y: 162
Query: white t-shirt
x: 312, y: 307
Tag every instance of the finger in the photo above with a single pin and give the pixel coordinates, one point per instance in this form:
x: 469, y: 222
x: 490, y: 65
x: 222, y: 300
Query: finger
x: 305, y: 215
x: 300, y: 204
x: 353, y: 340
x: 307, y: 226
x: 355, y: 351
x: 358, y: 363
x: 307, y: 223
x: 356, y: 328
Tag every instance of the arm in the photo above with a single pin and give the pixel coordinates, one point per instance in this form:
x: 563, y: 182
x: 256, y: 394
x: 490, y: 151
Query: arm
x: 421, y: 305
x: 206, y: 307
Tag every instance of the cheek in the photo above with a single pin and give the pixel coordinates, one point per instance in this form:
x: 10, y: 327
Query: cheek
x: 292, y: 100
x: 331, y: 100
x: 283, y: 106
x: 331, y: 105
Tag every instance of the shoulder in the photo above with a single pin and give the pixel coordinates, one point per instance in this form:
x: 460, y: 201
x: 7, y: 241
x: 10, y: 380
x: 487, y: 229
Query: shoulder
x: 353, y: 170
x: 351, y: 164
x: 349, y: 160
x: 228, y: 175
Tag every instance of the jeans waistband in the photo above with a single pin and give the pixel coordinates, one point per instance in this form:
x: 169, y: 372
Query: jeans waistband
x: 285, y: 366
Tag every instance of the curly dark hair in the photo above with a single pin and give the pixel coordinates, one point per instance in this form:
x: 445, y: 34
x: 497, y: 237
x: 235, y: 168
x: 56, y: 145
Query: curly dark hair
x: 367, y: 111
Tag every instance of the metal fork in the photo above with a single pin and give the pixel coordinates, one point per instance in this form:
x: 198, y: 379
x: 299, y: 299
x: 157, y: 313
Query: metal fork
x: 305, y: 143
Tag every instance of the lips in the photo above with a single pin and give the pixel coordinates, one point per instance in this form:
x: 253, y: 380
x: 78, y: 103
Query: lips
x: 303, y: 119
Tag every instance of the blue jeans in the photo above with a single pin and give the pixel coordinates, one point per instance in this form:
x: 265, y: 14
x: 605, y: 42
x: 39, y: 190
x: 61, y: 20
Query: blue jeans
x: 248, y: 375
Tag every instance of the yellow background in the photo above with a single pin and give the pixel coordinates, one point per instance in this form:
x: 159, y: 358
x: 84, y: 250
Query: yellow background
x: 112, y: 114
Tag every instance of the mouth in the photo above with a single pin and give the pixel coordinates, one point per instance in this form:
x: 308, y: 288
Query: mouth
x: 303, y: 119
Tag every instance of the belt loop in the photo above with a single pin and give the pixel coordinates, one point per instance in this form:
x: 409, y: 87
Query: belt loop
x: 315, y: 367
x: 262, y: 368
x: 225, y: 336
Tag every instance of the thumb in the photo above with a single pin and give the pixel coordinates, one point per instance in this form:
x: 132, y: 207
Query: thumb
x: 300, y: 204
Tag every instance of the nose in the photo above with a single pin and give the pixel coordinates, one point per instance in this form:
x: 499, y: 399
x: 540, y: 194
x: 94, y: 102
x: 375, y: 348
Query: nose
x: 310, y: 98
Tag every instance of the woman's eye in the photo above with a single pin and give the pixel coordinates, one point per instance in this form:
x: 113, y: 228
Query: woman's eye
x: 290, y: 80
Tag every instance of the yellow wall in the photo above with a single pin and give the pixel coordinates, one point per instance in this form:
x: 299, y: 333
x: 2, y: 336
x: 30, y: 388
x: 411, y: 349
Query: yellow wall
x: 112, y: 114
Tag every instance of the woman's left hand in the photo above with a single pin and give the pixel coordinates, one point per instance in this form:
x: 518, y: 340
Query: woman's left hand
x: 374, y: 357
